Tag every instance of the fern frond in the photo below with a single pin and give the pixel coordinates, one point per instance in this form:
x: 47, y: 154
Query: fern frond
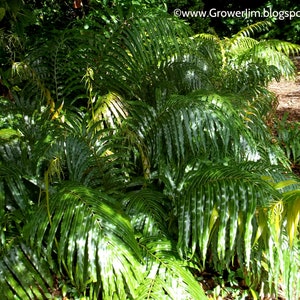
x: 279, y: 228
x: 242, y: 45
x: 18, y: 197
x: 87, y: 154
x: 271, y: 55
x: 287, y: 48
x: 53, y: 66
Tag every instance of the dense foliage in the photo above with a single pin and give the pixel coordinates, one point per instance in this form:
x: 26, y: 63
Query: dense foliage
x: 286, y: 25
x: 135, y: 157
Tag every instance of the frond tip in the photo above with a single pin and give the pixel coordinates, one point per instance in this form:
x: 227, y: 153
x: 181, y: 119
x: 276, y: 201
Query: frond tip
x: 167, y: 276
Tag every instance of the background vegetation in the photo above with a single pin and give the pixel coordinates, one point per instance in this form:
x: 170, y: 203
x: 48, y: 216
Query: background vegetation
x: 137, y: 156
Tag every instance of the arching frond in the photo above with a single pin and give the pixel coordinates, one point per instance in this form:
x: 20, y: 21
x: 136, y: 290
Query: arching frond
x: 213, y: 46
x: 91, y: 239
x: 251, y: 29
x: 148, y: 211
x: 278, y: 226
x: 216, y: 210
x: 248, y: 218
x: 242, y: 45
x: 291, y: 200
x: 286, y: 48
x: 56, y: 65
x: 110, y: 109
x: 270, y: 55
x: 87, y: 154
x: 24, y: 275
x: 135, y: 62
x: 167, y: 277
x: 18, y: 197
x: 202, y: 124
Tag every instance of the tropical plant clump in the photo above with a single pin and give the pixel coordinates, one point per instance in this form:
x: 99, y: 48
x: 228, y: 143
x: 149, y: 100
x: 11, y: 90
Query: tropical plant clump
x: 135, y: 159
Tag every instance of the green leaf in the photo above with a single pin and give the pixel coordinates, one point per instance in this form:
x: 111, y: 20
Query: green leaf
x: 8, y: 133
x: 291, y: 201
x: 2, y: 13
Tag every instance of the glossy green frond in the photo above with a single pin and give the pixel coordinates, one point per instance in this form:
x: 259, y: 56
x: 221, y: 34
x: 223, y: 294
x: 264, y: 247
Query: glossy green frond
x: 24, y: 275
x: 216, y: 211
x: 291, y: 200
x: 249, y: 62
x: 242, y: 45
x: 55, y: 64
x: 110, y: 109
x: 167, y: 277
x: 278, y: 226
x: 135, y: 62
x: 287, y: 48
x: 204, y: 125
x: 272, y: 55
x: 148, y: 211
x: 251, y: 29
x: 18, y: 196
x: 214, y: 47
x: 91, y: 239
x: 86, y: 153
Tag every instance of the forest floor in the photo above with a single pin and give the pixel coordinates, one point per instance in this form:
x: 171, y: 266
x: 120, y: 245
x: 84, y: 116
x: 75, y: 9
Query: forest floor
x: 288, y: 93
